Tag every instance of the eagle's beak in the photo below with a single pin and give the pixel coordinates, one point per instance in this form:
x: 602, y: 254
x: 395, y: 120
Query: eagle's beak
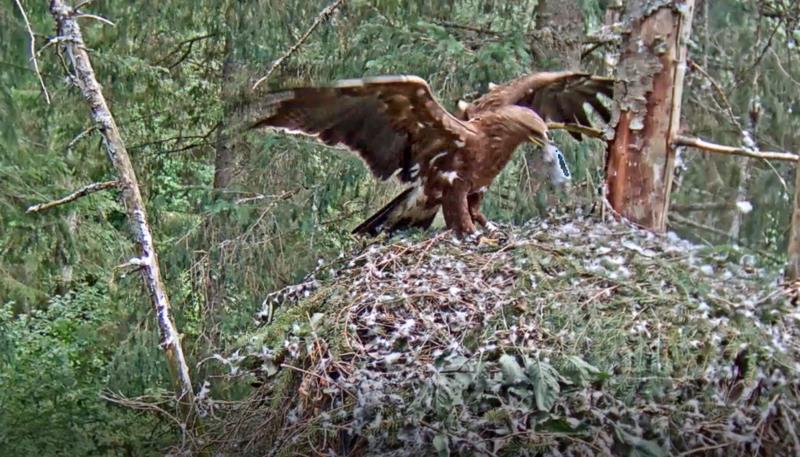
x: 535, y: 140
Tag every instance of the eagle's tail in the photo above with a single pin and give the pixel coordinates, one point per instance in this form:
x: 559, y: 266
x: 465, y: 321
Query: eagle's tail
x: 404, y: 211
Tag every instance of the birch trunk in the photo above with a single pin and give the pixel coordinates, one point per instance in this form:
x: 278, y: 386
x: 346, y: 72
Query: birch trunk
x: 71, y: 41
x: 650, y: 74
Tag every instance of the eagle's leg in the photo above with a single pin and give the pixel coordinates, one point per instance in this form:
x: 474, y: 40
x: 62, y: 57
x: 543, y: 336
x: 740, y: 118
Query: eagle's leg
x: 456, y: 210
x: 474, y: 203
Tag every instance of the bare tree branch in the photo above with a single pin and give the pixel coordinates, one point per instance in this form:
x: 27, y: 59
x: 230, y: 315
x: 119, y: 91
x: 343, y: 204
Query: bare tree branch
x: 720, y: 93
x: 731, y: 150
x: 33, y: 52
x: 322, y: 17
x: 96, y: 18
x: 82, y: 192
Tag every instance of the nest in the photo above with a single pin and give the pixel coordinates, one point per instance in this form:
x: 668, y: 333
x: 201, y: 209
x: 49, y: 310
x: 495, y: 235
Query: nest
x: 562, y: 337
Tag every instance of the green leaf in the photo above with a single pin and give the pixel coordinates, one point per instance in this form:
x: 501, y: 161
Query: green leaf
x: 544, y: 379
x: 640, y: 446
x: 442, y: 445
x: 580, y: 371
x: 512, y: 372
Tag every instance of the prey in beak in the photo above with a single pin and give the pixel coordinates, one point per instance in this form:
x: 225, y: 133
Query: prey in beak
x: 559, y: 171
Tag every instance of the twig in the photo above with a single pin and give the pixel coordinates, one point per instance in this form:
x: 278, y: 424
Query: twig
x: 684, y: 30
x: 33, y: 52
x: 189, y: 43
x: 691, y: 223
x: 731, y: 150
x: 96, y: 18
x: 790, y: 429
x: 577, y: 128
x: 82, y: 192
x: 468, y: 28
x: 718, y: 89
x: 79, y: 136
x: 703, y: 207
x: 81, y: 5
x: 323, y: 15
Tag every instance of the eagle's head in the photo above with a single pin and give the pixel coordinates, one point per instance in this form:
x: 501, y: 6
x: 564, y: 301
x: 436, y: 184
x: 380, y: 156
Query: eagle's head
x: 528, y: 125
x: 523, y: 124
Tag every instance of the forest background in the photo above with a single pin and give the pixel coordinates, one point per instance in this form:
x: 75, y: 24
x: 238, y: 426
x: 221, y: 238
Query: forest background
x: 235, y: 219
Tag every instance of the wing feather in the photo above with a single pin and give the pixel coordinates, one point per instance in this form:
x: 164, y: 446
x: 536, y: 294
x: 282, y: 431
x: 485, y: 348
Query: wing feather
x: 556, y: 96
x: 391, y: 122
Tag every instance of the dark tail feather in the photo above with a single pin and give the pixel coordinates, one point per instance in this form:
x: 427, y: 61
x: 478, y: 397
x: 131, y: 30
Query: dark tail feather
x: 390, y: 219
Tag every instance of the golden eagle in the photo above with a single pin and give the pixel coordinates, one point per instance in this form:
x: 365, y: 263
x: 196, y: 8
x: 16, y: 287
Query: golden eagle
x: 400, y: 130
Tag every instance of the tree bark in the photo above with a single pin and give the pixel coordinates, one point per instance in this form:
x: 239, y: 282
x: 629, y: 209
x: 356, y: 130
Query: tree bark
x: 71, y: 41
x: 648, y: 94
x: 224, y: 167
x: 793, y: 264
x: 559, y: 29
x: 559, y: 36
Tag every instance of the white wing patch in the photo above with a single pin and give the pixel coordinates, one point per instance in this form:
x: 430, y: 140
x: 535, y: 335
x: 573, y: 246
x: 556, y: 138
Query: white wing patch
x: 437, y: 157
x: 417, y: 197
x: 414, y: 171
x: 450, y: 176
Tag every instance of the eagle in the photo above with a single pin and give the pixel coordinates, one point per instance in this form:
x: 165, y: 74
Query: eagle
x: 445, y: 160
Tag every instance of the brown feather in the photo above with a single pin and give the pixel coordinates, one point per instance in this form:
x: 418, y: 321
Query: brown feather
x: 556, y: 96
x: 399, y: 129
x: 391, y: 122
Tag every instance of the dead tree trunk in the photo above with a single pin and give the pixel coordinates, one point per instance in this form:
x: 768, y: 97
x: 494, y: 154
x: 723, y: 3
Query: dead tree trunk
x: 70, y: 39
x: 641, y: 157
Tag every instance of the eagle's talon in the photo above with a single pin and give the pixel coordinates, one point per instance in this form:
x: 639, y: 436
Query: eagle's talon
x: 487, y: 241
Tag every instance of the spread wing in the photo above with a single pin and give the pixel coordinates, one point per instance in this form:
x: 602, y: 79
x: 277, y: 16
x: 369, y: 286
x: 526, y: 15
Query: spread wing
x: 392, y: 122
x: 556, y: 96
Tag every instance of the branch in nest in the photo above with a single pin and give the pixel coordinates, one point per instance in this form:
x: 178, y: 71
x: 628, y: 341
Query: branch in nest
x: 731, y: 150
x: 82, y: 192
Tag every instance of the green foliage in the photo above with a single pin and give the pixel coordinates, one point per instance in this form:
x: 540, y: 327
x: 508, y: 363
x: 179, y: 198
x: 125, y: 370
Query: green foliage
x: 291, y: 201
x: 574, y: 335
x: 54, y: 365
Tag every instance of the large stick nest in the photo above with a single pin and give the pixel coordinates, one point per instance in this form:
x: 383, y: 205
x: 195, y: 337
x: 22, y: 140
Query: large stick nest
x: 567, y: 337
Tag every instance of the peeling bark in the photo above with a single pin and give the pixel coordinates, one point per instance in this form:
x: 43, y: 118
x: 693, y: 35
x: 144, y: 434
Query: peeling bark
x: 71, y: 41
x: 648, y: 94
